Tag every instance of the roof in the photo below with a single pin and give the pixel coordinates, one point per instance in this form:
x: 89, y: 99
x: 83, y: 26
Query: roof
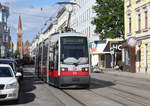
x: 7, y: 60
x: 5, y: 65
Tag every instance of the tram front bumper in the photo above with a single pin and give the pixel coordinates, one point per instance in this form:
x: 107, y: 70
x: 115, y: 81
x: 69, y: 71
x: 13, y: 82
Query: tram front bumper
x: 75, y: 80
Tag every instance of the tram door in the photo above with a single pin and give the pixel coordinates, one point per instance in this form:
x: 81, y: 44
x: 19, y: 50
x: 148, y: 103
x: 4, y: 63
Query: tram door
x: 53, y: 64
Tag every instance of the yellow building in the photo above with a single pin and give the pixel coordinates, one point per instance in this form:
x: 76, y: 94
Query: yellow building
x: 137, y: 24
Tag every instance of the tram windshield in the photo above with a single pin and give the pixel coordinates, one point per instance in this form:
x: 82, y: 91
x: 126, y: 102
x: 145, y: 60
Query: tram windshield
x: 74, y: 50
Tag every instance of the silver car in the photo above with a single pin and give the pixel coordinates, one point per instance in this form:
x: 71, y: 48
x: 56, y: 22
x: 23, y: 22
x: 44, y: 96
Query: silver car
x: 9, y: 86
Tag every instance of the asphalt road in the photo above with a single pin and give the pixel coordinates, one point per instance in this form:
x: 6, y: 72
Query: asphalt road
x: 105, y: 90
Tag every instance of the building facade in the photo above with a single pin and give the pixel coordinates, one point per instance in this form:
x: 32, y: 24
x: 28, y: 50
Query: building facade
x: 33, y: 46
x: 100, y: 53
x: 82, y: 16
x: 26, y: 48
x: 137, y: 25
x: 6, y: 49
x: 58, y: 25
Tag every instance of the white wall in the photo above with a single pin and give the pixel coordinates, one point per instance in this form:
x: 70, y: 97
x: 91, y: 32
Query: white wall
x: 82, y: 17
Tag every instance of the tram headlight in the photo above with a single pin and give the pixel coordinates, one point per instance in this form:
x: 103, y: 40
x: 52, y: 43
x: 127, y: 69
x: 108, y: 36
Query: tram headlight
x: 64, y: 69
x: 86, y: 69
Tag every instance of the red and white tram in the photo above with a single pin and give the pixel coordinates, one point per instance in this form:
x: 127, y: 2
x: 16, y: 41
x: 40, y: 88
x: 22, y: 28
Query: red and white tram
x: 63, y: 60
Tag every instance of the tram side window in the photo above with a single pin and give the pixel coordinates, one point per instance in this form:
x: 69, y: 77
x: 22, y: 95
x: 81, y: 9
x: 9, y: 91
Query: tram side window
x: 51, y: 65
x: 51, y: 59
x: 56, y: 56
x: 45, y: 49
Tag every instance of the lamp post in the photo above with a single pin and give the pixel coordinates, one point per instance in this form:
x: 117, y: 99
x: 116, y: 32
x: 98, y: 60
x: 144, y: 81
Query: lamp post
x: 69, y: 7
x: 132, y: 42
x: 112, y: 52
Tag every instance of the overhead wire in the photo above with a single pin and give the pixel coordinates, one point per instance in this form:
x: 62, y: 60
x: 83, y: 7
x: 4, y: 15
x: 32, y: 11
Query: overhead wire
x: 37, y: 16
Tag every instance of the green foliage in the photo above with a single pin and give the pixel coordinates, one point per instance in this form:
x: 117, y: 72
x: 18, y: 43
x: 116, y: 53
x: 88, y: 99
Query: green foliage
x: 120, y: 64
x: 17, y: 53
x: 109, y: 20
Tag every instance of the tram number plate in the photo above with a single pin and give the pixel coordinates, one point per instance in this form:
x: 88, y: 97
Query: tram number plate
x: 75, y: 68
x: 75, y: 79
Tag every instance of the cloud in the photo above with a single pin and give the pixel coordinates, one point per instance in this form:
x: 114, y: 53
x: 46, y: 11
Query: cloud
x: 34, y: 14
x: 33, y: 19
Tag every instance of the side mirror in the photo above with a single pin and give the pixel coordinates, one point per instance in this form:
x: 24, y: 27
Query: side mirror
x: 18, y: 74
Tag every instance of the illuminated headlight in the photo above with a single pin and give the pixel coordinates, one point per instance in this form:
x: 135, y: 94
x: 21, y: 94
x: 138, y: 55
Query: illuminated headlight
x: 11, y: 86
x: 64, y: 69
x: 86, y: 69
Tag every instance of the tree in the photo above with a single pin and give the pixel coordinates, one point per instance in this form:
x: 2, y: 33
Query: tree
x: 17, y: 53
x: 109, y: 20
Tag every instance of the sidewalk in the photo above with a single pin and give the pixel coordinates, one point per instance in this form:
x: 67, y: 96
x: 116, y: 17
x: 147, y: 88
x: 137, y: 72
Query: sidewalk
x: 129, y: 74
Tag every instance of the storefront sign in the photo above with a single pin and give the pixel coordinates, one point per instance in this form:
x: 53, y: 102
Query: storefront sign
x: 116, y: 47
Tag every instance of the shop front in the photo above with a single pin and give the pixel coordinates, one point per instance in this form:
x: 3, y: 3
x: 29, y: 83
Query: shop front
x: 106, y: 53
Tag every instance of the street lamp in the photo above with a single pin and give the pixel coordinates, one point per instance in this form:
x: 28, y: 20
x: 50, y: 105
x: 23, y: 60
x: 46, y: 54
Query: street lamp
x: 69, y: 7
x: 131, y: 41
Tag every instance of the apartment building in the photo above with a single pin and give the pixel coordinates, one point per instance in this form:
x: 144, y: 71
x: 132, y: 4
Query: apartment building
x: 82, y: 16
x: 56, y: 26
x: 137, y: 25
x: 5, y: 38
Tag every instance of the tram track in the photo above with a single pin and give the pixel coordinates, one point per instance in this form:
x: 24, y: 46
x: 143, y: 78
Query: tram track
x: 109, y: 98
x: 129, y: 96
x: 126, y: 83
x: 122, y: 94
x: 132, y: 97
x: 80, y: 102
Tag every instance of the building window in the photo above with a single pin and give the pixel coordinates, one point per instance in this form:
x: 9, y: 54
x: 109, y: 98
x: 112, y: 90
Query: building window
x: 130, y: 24
x: 146, y: 56
x: 129, y: 3
x: 89, y: 32
x: 138, y: 1
x: 146, y: 19
x: 139, y: 22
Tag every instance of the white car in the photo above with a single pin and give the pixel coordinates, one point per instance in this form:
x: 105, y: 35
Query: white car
x: 9, y: 86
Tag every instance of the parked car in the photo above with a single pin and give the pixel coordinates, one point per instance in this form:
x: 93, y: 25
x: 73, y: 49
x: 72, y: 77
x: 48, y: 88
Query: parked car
x: 13, y: 64
x: 9, y: 86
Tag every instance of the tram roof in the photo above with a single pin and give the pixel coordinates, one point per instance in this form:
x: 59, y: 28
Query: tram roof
x: 55, y: 37
x: 69, y: 34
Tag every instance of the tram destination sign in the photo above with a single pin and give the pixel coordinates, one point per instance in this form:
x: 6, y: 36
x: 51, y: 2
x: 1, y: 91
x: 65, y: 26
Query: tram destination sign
x: 73, y: 41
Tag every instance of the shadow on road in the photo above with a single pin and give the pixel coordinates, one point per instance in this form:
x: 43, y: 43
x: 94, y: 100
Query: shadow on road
x: 96, y: 83
x: 26, y: 91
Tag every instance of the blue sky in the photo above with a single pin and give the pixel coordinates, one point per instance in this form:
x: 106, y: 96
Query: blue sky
x: 34, y: 14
